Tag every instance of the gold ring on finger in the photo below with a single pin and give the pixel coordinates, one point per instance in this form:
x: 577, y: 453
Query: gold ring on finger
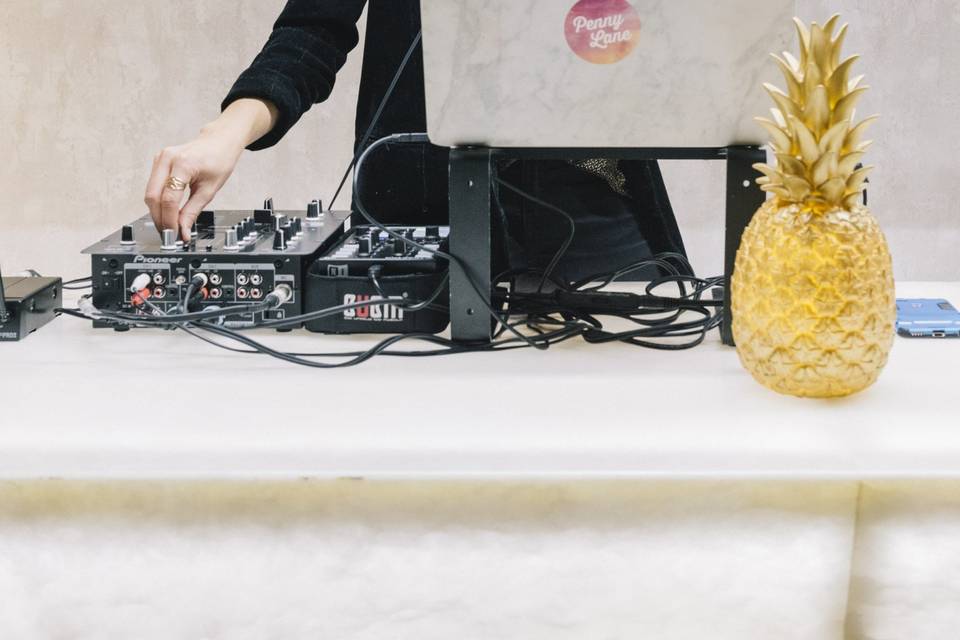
x: 176, y: 184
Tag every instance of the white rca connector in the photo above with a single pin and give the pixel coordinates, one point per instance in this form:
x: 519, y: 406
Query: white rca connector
x: 140, y: 283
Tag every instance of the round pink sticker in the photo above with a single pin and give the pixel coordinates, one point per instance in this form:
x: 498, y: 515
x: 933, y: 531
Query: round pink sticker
x: 603, y: 31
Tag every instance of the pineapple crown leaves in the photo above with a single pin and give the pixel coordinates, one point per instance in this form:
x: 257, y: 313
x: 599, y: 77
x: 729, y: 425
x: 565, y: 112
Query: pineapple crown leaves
x: 813, y: 136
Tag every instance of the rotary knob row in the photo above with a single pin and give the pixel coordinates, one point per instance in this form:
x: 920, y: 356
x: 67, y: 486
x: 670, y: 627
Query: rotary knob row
x: 241, y: 233
x: 287, y: 233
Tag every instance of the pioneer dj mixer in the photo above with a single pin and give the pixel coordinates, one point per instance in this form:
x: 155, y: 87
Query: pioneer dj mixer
x: 243, y: 256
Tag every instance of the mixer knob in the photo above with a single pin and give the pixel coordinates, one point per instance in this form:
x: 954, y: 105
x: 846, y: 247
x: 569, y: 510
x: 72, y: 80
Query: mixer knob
x: 363, y: 249
x: 230, y: 240
x: 279, y: 240
x: 168, y: 240
x: 268, y: 204
x: 194, y: 231
x: 399, y: 246
x: 297, y: 226
x: 126, y: 235
x: 314, y: 209
x: 279, y: 220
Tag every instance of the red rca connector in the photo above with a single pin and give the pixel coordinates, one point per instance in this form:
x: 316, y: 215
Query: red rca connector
x: 140, y: 298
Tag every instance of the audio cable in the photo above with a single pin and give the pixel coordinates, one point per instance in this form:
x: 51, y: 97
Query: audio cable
x: 391, y: 88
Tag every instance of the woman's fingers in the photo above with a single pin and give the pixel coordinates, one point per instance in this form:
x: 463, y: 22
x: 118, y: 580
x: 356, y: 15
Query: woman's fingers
x: 181, y: 175
x: 200, y: 197
x: 158, y: 176
x: 203, y: 166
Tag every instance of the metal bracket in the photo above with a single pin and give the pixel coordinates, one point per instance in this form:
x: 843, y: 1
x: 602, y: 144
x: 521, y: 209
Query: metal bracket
x: 4, y: 314
x: 470, y: 182
x: 744, y: 197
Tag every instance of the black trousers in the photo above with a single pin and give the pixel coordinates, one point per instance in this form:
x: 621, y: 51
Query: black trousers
x: 608, y: 234
x: 407, y: 184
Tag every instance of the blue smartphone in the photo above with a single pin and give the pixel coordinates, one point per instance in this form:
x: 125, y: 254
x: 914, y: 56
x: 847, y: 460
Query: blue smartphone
x: 927, y: 318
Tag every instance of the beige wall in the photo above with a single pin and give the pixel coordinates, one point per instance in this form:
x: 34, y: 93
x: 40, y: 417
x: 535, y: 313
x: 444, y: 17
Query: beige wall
x: 90, y: 89
x: 911, y: 55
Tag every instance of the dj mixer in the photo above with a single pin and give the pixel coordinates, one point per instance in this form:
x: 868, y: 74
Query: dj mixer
x: 242, y: 255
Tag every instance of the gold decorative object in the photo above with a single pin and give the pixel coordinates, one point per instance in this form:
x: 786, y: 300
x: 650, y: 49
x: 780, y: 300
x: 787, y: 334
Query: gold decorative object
x: 812, y: 291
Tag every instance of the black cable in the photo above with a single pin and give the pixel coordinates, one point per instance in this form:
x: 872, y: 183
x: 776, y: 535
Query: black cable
x: 400, y: 302
x: 377, y: 115
x: 660, y: 321
x: 187, y: 298
x: 382, y: 348
x: 550, y: 207
x: 78, y: 284
x: 573, y: 323
x: 197, y: 316
x: 373, y: 273
x: 407, y: 138
x: 450, y: 347
x: 663, y: 328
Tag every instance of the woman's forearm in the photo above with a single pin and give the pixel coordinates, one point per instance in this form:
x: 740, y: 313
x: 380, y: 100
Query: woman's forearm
x: 245, y: 120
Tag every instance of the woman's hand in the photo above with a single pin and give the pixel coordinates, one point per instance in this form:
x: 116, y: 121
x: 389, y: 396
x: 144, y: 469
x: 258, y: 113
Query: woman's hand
x: 205, y: 164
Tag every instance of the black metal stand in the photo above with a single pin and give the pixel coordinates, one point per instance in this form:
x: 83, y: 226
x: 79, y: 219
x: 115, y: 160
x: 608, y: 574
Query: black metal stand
x: 470, y: 223
x: 470, y: 182
x: 3, y: 302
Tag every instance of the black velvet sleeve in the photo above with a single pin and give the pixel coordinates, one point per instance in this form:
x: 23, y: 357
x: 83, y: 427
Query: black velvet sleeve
x: 298, y: 66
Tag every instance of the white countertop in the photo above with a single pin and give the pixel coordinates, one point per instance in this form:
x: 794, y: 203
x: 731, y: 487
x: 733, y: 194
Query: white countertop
x: 82, y: 403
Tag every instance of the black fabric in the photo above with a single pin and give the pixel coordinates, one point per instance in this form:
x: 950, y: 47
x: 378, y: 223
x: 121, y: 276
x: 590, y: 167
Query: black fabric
x: 297, y: 69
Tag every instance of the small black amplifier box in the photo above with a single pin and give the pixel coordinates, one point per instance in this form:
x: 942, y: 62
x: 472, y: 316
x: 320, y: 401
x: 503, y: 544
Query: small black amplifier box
x: 26, y: 304
x: 243, y: 254
x: 341, y: 276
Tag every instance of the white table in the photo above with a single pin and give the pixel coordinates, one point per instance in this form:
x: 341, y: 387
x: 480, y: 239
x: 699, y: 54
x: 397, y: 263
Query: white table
x: 83, y: 403
x: 80, y: 404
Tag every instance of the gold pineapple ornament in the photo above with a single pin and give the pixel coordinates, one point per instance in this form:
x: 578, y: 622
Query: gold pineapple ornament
x: 812, y: 290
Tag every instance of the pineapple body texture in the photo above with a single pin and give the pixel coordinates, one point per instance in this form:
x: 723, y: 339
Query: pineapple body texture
x: 813, y: 300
